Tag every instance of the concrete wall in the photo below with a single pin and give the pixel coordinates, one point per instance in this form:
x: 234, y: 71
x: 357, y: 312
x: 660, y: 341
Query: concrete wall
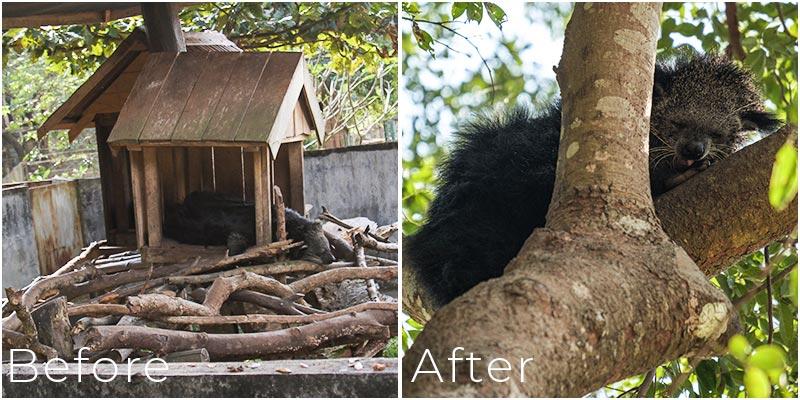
x: 20, y: 260
x: 357, y: 181
x: 90, y: 196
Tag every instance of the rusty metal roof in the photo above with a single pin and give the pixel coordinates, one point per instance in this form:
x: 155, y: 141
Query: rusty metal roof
x: 216, y: 98
x: 34, y: 14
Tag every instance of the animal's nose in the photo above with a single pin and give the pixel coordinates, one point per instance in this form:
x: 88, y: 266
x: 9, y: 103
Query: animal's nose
x: 693, y: 151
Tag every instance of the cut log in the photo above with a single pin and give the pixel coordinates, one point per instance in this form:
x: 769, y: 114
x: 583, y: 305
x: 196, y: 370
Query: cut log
x: 52, y: 325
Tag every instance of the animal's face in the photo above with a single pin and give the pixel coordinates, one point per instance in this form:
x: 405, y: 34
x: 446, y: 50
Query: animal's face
x: 317, y: 247
x: 704, y: 108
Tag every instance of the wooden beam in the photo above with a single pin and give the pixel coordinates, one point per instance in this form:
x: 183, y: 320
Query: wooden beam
x: 139, y: 210
x: 152, y: 196
x: 163, y: 27
x: 69, y: 18
x: 296, y: 195
x: 266, y: 174
x: 105, y: 166
x: 260, y: 199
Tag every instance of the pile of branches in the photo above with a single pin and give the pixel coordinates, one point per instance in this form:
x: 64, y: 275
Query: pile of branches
x: 257, y: 304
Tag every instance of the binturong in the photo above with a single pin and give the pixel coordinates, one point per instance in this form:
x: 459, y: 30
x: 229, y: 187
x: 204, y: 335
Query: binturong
x: 496, y: 183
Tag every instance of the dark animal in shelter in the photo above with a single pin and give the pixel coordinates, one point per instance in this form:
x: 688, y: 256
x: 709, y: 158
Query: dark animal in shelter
x: 215, y: 219
x: 495, y: 186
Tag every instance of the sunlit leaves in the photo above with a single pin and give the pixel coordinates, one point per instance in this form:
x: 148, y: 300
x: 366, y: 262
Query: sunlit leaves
x: 496, y: 13
x: 783, y: 182
x: 756, y: 383
x: 739, y: 347
x: 764, y: 366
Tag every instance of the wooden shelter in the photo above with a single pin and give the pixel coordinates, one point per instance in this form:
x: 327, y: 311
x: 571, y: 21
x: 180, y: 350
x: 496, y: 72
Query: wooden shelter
x: 212, y: 118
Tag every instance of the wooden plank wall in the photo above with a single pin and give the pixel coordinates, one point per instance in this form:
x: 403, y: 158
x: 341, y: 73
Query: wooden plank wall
x: 228, y: 167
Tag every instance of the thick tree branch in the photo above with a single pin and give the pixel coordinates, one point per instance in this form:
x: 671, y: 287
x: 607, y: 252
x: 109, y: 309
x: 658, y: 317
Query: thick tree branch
x: 723, y: 214
x: 714, y: 236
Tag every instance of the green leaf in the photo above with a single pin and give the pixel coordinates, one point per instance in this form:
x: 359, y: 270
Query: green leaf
x: 783, y: 182
x: 496, y: 13
x: 706, y: 376
x: 793, y: 286
x: 739, y: 347
x: 458, y: 9
x: 474, y: 12
x: 756, y: 383
x: 424, y: 38
x: 769, y: 358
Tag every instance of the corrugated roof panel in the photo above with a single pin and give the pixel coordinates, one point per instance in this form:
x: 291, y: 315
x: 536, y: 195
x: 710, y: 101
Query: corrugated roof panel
x: 145, y: 92
x: 216, y: 97
x: 205, y: 96
x: 281, y: 81
x: 172, y: 100
x: 236, y: 97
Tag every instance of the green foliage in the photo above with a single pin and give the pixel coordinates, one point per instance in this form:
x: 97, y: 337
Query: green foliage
x: 391, y: 349
x: 351, y: 49
x: 32, y: 91
x: 763, y: 367
x: 409, y: 332
x: 768, y: 31
x: 783, y: 182
x: 441, y: 40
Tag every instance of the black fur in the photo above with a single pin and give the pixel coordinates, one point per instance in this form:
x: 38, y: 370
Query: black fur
x: 495, y: 185
x: 214, y: 219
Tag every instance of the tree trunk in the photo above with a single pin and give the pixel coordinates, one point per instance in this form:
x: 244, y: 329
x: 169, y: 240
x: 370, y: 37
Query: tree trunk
x: 601, y: 293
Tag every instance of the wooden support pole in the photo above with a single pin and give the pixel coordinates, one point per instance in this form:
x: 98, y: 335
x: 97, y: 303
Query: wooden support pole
x: 280, y: 214
x: 262, y: 171
x: 104, y: 160
x: 139, y: 209
x: 152, y: 196
x: 263, y: 225
x: 163, y: 27
x: 296, y: 195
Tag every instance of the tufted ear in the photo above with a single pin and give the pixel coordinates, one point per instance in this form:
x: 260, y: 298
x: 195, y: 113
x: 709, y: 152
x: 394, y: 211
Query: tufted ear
x: 760, y: 120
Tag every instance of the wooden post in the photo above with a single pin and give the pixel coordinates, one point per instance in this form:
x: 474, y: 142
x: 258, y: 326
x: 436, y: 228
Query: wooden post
x: 261, y: 194
x: 103, y: 128
x: 137, y: 184
x: 152, y: 195
x: 266, y: 156
x: 296, y: 195
x: 163, y: 27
